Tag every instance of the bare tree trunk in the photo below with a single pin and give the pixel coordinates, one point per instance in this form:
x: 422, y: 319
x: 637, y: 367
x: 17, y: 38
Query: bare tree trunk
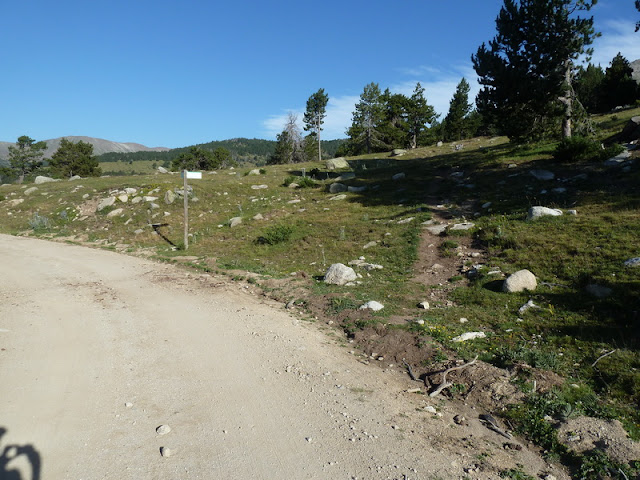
x: 567, y: 100
x: 319, y: 147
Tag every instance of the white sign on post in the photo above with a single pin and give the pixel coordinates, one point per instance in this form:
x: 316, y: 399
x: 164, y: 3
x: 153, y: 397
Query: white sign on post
x: 185, y: 176
x: 194, y: 175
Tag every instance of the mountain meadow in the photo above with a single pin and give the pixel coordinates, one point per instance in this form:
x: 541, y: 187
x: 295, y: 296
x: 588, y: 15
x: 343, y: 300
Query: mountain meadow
x: 432, y: 233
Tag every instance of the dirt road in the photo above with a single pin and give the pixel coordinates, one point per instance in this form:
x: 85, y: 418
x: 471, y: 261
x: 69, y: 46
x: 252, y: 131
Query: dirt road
x: 99, y: 349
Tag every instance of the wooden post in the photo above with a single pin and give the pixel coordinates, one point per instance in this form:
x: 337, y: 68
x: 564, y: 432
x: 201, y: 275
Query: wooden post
x: 186, y: 210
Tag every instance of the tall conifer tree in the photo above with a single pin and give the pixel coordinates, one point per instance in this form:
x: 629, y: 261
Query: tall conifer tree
x: 526, y: 70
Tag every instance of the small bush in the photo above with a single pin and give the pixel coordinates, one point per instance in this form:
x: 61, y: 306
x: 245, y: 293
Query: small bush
x: 39, y: 222
x: 276, y: 234
x: 581, y: 149
x: 302, y: 182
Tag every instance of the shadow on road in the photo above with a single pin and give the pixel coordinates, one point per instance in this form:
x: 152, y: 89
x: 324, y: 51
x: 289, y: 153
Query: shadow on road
x: 19, y: 462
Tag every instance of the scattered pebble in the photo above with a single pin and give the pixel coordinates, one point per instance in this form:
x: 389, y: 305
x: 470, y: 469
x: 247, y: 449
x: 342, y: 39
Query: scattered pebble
x: 163, y: 429
x: 166, y: 452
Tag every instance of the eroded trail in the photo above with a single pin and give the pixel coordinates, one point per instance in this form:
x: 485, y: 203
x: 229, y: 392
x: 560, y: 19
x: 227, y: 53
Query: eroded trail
x: 99, y: 349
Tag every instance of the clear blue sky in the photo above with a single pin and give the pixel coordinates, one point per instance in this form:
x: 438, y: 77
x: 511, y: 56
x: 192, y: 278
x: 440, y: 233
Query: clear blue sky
x: 174, y: 73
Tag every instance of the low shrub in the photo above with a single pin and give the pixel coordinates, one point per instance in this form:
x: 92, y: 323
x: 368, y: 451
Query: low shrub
x: 276, y: 234
x: 302, y: 182
x: 580, y: 149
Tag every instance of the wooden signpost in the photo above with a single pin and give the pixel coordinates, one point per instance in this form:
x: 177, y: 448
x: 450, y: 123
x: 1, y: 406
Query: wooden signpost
x: 185, y: 176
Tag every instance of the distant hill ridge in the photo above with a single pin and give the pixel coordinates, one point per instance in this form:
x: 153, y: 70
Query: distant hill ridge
x: 100, y: 146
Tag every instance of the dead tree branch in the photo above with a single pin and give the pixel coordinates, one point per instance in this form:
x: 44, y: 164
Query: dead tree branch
x: 444, y: 384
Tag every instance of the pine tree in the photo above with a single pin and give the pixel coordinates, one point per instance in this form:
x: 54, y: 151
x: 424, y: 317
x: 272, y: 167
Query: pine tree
x: 526, y: 71
x: 455, y: 123
x: 588, y: 87
x: 283, y: 152
x: 394, y: 128
x: 314, y: 116
x: 419, y: 114
x: 618, y: 86
x: 364, y: 133
x: 74, y: 159
x: 26, y: 156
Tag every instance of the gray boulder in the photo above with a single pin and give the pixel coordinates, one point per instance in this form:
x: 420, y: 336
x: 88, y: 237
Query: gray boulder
x: 397, y: 152
x: 520, y: 281
x: 169, y: 197
x: 339, y: 274
x: 162, y: 170
x: 542, y: 174
x: 29, y: 191
x: 537, y: 212
x: 632, y: 262
x: 235, y: 221
x: 346, y: 176
x: 107, y: 202
x: 631, y: 130
x: 40, y: 179
x: 618, y: 159
x: 337, y: 163
x: 337, y: 187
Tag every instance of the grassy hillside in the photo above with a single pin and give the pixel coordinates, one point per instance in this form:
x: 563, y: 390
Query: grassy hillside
x: 575, y: 354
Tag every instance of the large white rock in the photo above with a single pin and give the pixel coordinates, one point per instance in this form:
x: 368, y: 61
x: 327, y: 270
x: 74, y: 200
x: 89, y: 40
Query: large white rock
x: 537, y: 212
x: 162, y: 170
x: 339, y: 274
x: 40, y: 179
x: 114, y: 213
x: 520, y: 281
x: 29, y: 191
x: 337, y: 163
x: 372, y: 305
x: 235, y: 221
x: 468, y: 336
x: 106, y: 202
x: 169, y: 197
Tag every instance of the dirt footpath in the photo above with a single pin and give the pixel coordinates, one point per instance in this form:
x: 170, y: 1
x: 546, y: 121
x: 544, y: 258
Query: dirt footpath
x: 100, y: 349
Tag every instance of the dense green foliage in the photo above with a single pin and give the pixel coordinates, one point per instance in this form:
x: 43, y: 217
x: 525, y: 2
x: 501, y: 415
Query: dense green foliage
x: 314, y: 116
x: 383, y: 121
x: 456, y: 125
x: 74, y: 159
x: 200, y: 159
x: 25, y: 156
x: 581, y: 149
x: 364, y: 133
x: 524, y: 69
x: 603, y: 90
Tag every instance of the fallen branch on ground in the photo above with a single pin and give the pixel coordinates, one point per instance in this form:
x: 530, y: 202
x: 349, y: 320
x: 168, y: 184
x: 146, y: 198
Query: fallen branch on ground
x: 446, y: 384
x: 602, y: 356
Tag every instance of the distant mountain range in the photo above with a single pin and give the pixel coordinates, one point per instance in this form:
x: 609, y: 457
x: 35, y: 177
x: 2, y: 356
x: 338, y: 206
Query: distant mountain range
x: 100, y: 146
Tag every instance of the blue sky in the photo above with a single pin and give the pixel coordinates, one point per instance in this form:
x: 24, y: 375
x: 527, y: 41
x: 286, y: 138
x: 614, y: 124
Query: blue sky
x: 174, y: 73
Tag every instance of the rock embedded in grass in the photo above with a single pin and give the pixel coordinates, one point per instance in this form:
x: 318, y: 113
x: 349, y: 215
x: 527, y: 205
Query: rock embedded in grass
x: 107, y: 202
x: 542, y: 174
x: 372, y: 305
x: 339, y: 274
x: 337, y: 187
x: 520, y: 281
x: 538, y: 212
x: 632, y: 262
x: 468, y: 336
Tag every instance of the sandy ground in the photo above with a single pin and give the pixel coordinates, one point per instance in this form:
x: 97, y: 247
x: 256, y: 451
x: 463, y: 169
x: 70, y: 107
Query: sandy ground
x: 99, y: 349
